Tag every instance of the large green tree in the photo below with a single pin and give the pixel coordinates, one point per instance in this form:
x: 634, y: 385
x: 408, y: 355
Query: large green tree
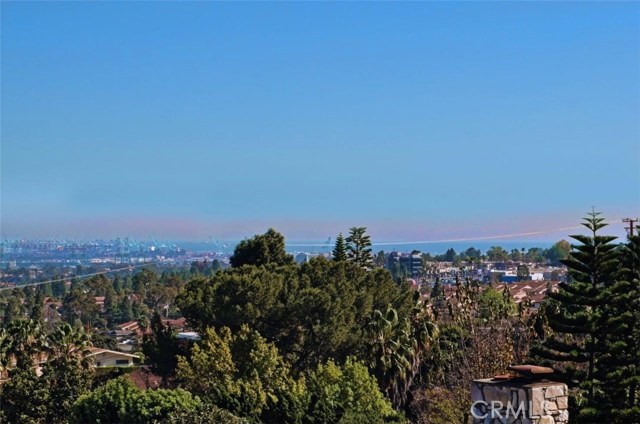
x: 268, y: 248
x: 340, y: 250
x: 312, y: 313
x: 495, y: 305
x: 347, y: 394
x: 121, y: 402
x: 359, y: 247
x: 80, y: 304
x: 24, y: 398
x: 620, y: 367
x: 243, y: 374
x: 398, y: 348
x: 497, y: 254
x: 583, y: 332
x: 68, y: 371
x: 558, y: 252
x: 66, y: 374
x: 161, y: 348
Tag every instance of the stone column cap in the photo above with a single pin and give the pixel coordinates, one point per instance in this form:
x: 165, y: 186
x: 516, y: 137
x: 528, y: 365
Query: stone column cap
x: 531, y: 370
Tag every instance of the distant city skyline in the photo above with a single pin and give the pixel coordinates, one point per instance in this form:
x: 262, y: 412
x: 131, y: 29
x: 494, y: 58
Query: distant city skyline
x: 421, y: 121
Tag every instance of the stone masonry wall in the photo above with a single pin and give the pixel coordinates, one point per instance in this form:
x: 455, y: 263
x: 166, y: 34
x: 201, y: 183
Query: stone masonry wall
x: 519, y: 401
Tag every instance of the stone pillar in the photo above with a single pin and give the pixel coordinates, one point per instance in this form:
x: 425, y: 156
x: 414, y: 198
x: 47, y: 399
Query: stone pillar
x: 519, y: 401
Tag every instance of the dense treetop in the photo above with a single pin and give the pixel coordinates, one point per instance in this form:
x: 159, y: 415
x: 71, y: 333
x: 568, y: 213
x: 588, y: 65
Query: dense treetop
x: 268, y: 248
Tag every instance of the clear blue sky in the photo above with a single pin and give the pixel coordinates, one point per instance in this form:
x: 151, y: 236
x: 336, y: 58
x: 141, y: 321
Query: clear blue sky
x: 419, y: 120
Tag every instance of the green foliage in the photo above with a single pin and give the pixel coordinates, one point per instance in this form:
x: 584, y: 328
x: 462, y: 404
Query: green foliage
x: 312, y: 313
x: 495, y: 305
x: 80, y: 304
x: 203, y: 414
x: 24, y: 399
x: 255, y: 296
x: 584, y: 319
x: 155, y: 405
x: 516, y: 255
x: 398, y: 347
x: 437, y: 291
x: 65, y: 376
x: 120, y: 401
x: 359, y: 247
x: 441, y: 405
x: 111, y: 403
x: 243, y: 374
x: 261, y: 250
x: 125, y: 310
x: 143, y: 280
x: 66, y: 379
x: 59, y: 289
x: 68, y: 370
x: 620, y: 368
x: 347, y: 394
x: 21, y: 342
x: 161, y: 348
x: 558, y: 252
x: 12, y: 307
x: 472, y: 253
x: 450, y: 255
x: 36, y: 306
x: 535, y: 254
x: 332, y: 308
x: 497, y: 254
x: 98, y: 285
x: 339, y: 253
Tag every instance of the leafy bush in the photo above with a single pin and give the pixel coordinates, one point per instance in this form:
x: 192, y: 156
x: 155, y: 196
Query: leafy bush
x: 347, y: 394
x: 120, y: 401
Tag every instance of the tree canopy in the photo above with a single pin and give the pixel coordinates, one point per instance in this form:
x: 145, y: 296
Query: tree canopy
x: 359, y: 246
x: 268, y: 248
x: 312, y: 312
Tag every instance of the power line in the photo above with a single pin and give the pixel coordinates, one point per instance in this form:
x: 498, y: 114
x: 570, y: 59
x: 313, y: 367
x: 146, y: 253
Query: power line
x: 130, y: 267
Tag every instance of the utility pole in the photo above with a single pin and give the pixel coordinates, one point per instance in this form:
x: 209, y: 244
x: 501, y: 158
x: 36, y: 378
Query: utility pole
x: 631, y: 221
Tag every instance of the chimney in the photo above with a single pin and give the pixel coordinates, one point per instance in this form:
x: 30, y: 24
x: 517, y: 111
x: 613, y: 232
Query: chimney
x: 523, y: 397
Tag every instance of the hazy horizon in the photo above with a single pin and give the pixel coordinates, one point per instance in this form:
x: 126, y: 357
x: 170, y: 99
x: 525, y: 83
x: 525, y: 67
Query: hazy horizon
x: 543, y: 234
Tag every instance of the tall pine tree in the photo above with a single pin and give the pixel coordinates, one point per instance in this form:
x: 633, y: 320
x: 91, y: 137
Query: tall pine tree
x: 582, y: 331
x: 620, y: 368
x: 340, y: 249
x: 359, y: 247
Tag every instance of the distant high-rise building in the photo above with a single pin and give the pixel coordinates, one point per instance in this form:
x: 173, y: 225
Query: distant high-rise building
x: 412, y: 263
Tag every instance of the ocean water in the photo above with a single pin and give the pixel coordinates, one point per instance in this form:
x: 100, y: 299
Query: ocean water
x: 437, y: 248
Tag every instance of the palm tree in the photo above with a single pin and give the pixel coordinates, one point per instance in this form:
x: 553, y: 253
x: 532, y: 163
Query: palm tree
x: 23, y: 340
x: 399, y: 348
x: 67, y: 342
x: 68, y: 370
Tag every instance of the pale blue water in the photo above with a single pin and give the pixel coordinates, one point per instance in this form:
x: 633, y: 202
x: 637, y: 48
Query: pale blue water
x: 433, y: 248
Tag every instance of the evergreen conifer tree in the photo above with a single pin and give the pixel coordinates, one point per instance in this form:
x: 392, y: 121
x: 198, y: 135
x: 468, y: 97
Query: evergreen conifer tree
x: 620, y: 368
x: 340, y: 249
x: 582, y: 331
x: 359, y: 246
